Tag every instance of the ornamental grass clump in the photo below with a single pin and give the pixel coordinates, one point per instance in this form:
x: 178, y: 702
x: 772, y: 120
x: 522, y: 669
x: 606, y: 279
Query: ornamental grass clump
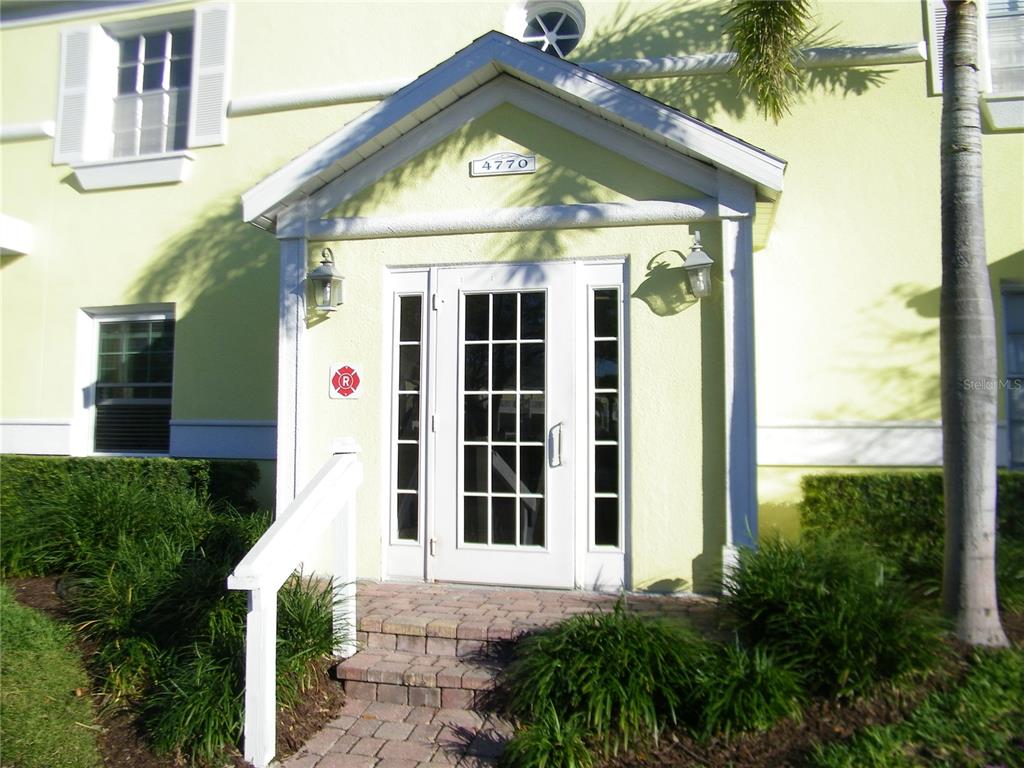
x: 614, y: 676
x: 830, y: 609
x: 743, y: 689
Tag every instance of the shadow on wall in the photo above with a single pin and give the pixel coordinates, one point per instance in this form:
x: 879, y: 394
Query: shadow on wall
x: 223, y: 276
x: 686, y: 28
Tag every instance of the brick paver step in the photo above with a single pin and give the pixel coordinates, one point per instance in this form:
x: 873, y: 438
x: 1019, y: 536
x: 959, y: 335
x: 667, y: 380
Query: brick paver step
x: 416, y: 679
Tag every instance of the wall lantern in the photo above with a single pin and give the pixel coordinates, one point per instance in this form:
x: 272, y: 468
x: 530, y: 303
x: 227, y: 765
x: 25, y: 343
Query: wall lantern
x: 325, y: 283
x: 698, y: 269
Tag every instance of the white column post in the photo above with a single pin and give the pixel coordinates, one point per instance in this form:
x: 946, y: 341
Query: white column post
x: 345, y: 619
x: 291, y: 326
x: 261, y: 677
x: 740, y: 393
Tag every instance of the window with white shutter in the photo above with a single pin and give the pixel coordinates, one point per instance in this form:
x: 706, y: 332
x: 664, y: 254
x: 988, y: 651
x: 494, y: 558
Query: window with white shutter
x: 142, y: 89
x: 1013, y: 313
x: 1001, y: 57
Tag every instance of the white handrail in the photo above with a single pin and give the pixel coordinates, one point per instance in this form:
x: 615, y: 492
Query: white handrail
x: 327, y: 501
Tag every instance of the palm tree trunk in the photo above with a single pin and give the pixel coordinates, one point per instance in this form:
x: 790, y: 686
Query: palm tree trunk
x: 968, y: 351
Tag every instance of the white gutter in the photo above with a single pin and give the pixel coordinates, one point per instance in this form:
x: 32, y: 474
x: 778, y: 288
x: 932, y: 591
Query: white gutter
x: 484, y: 221
x: 26, y: 131
x: 622, y: 69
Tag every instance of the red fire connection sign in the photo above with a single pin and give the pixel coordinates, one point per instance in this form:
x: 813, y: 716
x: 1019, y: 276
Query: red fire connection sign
x: 345, y: 382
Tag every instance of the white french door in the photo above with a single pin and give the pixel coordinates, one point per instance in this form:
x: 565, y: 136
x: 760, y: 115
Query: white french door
x: 504, y: 426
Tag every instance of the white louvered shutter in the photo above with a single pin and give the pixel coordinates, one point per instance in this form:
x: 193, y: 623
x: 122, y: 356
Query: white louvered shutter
x: 208, y: 125
x: 85, y: 102
x: 936, y: 27
x: 69, y: 143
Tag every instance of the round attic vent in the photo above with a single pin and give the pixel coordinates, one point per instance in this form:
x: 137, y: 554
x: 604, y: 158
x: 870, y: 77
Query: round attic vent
x: 552, y: 27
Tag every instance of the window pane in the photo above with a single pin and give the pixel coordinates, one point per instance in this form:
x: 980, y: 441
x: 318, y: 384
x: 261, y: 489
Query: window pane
x: 408, y: 517
x: 531, y: 315
x: 1017, y: 443
x: 408, y: 467
x: 152, y: 141
x: 1013, y: 308
x: 1015, y: 353
x: 153, y: 76
x: 475, y: 468
x: 503, y: 521
x: 475, y: 427
x: 606, y: 468
x: 156, y: 46
x: 477, y: 314
x: 408, y: 417
x: 531, y: 469
x: 606, y: 416
x: 532, y: 371
x: 1015, y: 397
x: 474, y: 519
x: 606, y: 312
x: 531, y: 522
x: 410, y: 311
x: 409, y: 367
x: 129, y: 49
x: 606, y: 522
x: 606, y: 364
x: 181, y: 42
x: 503, y: 469
x: 476, y: 367
x: 503, y: 359
x: 181, y: 73
x: 503, y: 418
x: 126, y: 80
x: 531, y: 418
x: 504, y: 316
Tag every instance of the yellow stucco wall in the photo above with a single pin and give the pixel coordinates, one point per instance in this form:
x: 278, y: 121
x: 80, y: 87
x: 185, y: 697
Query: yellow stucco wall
x: 846, y: 288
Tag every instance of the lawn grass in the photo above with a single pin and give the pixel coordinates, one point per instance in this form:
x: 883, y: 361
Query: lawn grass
x: 42, y: 722
x: 979, y: 722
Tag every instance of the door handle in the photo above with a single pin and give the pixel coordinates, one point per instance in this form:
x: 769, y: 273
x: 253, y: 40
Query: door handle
x: 555, y: 451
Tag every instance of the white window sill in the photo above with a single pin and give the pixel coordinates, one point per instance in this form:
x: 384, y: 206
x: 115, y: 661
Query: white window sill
x: 166, y: 168
x: 1003, y: 113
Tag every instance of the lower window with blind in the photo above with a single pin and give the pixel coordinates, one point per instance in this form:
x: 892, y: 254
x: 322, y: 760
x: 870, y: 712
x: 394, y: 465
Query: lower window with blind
x: 135, y: 363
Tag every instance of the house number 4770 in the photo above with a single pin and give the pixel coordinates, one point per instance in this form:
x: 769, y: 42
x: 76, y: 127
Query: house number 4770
x: 503, y: 164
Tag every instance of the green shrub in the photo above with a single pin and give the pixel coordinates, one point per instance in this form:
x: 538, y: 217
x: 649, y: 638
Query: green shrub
x: 900, y: 515
x: 900, y: 511
x: 40, y: 670
x: 827, y: 607
x: 549, y: 742
x: 744, y: 689
x: 53, y: 507
x: 624, y: 677
x: 977, y: 723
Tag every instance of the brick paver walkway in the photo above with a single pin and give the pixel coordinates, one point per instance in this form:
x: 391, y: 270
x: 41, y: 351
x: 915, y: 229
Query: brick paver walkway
x: 422, y: 635
x: 375, y: 735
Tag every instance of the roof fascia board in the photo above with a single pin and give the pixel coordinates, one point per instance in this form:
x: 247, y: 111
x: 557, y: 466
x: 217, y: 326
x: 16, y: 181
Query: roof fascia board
x: 471, y: 67
x: 645, y: 115
x: 502, y: 90
x: 478, y: 63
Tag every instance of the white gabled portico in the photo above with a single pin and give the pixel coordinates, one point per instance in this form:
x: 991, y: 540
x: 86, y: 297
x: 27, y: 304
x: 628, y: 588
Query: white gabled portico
x: 734, y: 180
x: 548, y: 463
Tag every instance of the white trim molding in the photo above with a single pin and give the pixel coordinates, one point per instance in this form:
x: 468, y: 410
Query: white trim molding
x: 17, y: 237
x: 544, y: 217
x: 144, y: 170
x: 42, y: 129
x: 614, y: 69
x: 859, y: 444
x: 46, y: 437
x: 224, y: 439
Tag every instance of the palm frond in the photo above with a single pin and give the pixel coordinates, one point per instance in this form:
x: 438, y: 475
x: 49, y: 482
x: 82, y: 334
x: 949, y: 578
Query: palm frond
x: 766, y: 35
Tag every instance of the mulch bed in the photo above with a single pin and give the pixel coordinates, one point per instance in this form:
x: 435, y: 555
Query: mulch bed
x: 787, y: 743
x: 122, y: 743
x: 790, y: 742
